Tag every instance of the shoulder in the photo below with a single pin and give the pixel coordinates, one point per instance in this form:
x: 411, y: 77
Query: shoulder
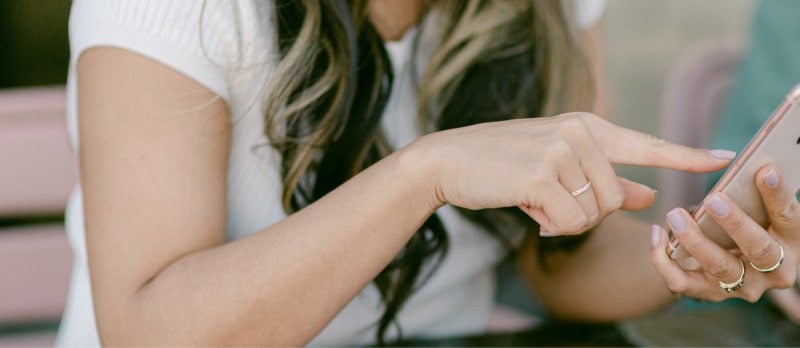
x: 202, y: 39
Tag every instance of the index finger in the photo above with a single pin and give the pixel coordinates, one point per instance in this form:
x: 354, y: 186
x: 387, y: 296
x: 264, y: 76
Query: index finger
x: 627, y: 146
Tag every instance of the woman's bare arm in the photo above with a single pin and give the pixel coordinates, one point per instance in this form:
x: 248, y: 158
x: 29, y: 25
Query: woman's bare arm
x: 609, y: 277
x: 154, y: 155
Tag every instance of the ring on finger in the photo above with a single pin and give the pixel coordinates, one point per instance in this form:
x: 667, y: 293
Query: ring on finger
x: 731, y: 287
x: 774, y: 267
x: 582, y: 189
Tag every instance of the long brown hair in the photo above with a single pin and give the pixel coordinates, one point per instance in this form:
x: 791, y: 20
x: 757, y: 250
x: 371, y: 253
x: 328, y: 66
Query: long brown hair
x: 494, y: 60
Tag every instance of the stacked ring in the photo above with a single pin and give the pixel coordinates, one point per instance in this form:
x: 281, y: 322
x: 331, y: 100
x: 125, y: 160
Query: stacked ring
x: 731, y: 287
x: 774, y: 267
x: 581, y: 190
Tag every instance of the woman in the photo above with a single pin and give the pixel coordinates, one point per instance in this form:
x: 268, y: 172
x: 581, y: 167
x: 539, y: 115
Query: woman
x: 239, y: 184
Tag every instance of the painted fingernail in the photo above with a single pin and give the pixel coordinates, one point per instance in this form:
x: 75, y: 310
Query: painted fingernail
x: 718, y: 206
x: 723, y: 154
x: 545, y: 233
x: 676, y: 221
x: 771, y: 178
x: 655, y: 235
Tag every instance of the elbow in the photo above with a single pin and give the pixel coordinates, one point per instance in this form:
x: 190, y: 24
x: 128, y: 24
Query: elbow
x: 600, y: 309
x: 116, y: 327
x: 140, y: 325
x: 127, y: 324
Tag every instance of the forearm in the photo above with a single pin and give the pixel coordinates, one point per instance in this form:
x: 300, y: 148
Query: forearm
x: 283, y: 284
x: 609, y: 277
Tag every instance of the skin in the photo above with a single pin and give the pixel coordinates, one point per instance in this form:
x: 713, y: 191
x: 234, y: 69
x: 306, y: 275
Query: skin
x: 756, y: 245
x: 617, y: 244
x: 391, y: 18
x: 788, y: 301
x: 154, y: 200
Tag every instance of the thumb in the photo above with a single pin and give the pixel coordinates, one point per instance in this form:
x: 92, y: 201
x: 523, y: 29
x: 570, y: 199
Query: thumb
x: 637, y: 196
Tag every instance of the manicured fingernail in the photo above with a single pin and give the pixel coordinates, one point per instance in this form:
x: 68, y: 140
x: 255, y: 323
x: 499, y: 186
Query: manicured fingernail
x: 676, y: 221
x: 718, y: 206
x: 771, y: 178
x: 655, y: 235
x: 723, y: 154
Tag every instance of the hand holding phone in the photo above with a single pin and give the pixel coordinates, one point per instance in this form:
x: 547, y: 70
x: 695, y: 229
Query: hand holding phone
x: 777, y: 142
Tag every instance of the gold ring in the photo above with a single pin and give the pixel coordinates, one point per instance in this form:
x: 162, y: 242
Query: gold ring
x: 731, y: 287
x: 581, y: 190
x: 770, y: 269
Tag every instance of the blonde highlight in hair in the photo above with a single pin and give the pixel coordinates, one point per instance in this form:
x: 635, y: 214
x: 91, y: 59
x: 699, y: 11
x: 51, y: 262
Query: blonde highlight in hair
x: 494, y: 60
x: 313, y: 70
x: 473, y: 32
x: 282, y: 107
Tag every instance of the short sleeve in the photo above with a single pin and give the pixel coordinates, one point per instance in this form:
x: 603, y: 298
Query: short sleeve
x: 197, y: 38
x: 587, y: 13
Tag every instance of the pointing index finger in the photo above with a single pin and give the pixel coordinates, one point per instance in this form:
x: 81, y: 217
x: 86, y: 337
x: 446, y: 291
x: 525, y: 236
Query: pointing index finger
x: 626, y: 146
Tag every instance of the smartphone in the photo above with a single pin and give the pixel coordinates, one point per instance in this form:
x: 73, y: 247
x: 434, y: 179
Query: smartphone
x: 777, y: 142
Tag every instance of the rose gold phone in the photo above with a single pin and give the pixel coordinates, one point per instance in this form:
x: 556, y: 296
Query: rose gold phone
x: 777, y: 142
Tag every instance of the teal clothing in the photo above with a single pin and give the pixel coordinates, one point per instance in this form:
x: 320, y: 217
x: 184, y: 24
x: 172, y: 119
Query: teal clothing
x: 769, y: 68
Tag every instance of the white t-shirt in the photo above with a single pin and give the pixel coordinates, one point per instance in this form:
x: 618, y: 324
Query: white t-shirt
x: 236, y: 56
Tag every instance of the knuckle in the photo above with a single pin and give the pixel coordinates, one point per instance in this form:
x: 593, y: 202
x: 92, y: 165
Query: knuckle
x: 734, y: 222
x: 588, y: 117
x: 614, y: 200
x: 751, y: 296
x: 559, y: 150
x: 655, y: 148
x: 761, y: 249
x: 655, y: 141
x: 540, y: 177
x: 593, y: 214
x: 788, y: 214
x: 720, y: 269
x: 573, y: 127
x: 678, y: 287
x: 575, y: 225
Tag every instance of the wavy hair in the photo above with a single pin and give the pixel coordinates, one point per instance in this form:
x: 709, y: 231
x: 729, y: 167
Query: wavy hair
x: 493, y: 60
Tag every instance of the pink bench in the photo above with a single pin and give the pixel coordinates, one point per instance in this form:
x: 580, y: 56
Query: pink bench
x: 37, y: 173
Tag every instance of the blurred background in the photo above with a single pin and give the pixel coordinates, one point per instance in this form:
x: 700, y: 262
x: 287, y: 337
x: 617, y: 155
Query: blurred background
x: 644, y: 41
x: 37, y: 170
x: 33, y: 42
